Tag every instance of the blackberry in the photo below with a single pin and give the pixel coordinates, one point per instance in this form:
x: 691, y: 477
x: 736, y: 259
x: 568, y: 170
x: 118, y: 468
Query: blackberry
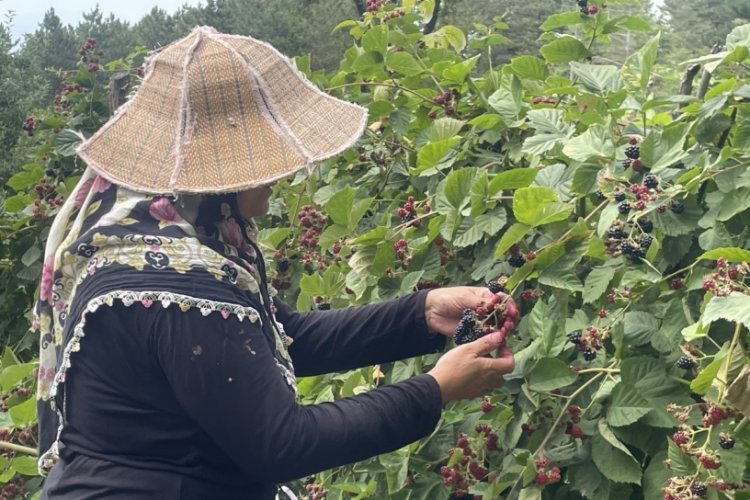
x: 589, y: 354
x: 407, y: 218
x: 324, y: 306
x: 495, y: 287
x: 699, y: 489
x: 650, y: 181
x: 583, y: 3
x: 517, y: 260
x: 282, y: 264
x: 726, y: 442
x: 636, y: 256
x: 646, y: 225
x: 616, y: 233
x: 575, y: 337
x: 619, y: 196
x: 633, y: 152
x: 685, y: 363
x: 599, y: 196
x: 467, y: 335
x: 625, y: 163
x: 677, y: 207
x: 646, y: 241
x: 623, y: 207
x: 465, y: 330
x: 626, y: 247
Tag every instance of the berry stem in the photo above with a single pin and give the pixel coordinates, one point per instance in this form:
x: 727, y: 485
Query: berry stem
x: 17, y: 447
x: 599, y: 370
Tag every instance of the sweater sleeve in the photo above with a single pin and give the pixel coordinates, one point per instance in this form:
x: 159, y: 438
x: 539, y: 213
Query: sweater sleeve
x: 342, y: 339
x: 224, y: 375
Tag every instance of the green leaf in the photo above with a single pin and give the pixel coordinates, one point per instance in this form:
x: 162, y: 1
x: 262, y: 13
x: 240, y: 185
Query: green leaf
x: 339, y: 205
x: 459, y: 72
x: 31, y: 255
x: 445, y: 128
x: 23, y: 414
x: 595, y: 143
x: 67, y: 141
x: 738, y: 37
x: 598, y: 78
x: 536, y: 206
x: 564, y: 49
x: 312, y: 284
x: 512, y: 235
x: 529, y: 68
x: 512, y: 179
x: 734, y: 307
x: 627, y: 406
x: 433, y: 153
x: 679, y: 463
x: 643, y: 60
x: 25, y: 465
x: 404, y: 63
x: 733, y: 254
x: 376, y: 39
x: 506, y: 103
x: 662, y: 149
x: 468, y: 233
x: 724, y: 206
x: 597, y: 282
x: 639, y: 327
x: 612, y: 458
x: 551, y: 130
x: 13, y: 374
x: 456, y: 187
x: 549, y: 374
x: 562, y: 20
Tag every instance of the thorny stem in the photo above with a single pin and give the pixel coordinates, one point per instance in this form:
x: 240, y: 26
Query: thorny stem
x: 17, y: 447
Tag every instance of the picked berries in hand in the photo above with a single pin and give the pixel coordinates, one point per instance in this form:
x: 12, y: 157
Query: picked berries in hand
x: 498, y: 315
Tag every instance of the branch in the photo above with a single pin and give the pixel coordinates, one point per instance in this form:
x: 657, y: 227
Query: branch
x: 430, y: 27
x: 686, y: 84
x: 706, y: 77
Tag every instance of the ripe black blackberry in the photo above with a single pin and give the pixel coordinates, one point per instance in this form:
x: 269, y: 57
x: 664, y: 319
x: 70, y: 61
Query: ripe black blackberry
x: 625, y: 163
x: 583, y: 3
x: 324, y: 306
x: 589, y: 354
x: 495, y: 287
x: 726, y: 442
x: 466, y: 330
x: 623, y: 207
x: 699, y: 489
x: 517, y: 260
x: 650, y: 181
x: 574, y: 337
x: 282, y: 264
x: 685, y: 363
x: 617, y: 233
x: 677, y: 207
x: 646, y: 241
x: 646, y: 225
x: 619, y: 196
x: 626, y: 247
x: 599, y: 196
x: 633, y: 152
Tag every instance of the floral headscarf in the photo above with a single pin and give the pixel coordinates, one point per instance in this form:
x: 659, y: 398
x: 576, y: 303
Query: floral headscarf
x: 111, y: 244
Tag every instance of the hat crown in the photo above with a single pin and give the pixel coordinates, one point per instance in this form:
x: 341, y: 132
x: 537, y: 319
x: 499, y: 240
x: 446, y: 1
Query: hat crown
x: 219, y: 113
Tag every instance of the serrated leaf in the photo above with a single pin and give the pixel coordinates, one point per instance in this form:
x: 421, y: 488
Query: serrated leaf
x: 445, y: 128
x: 597, y: 282
x: 564, y: 49
x: 612, y: 458
x: 662, y: 149
x: 25, y: 465
x: 376, y: 39
x: 738, y: 37
x: 506, y: 103
x: 626, y: 406
x: 13, y: 374
x: 529, y: 68
x: 734, y: 307
x: 549, y: 374
x: 512, y: 179
x: 513, y: 234
x: 599, y: 78
x: 724, y: 206
x: 562, y: 20
x: 643, y: 60
x: 595, y: 143
x: 404, y: 63
x: 468, y: 233
x: 433, y: 153
x: 732, y: 254
x: 456, y: 187
x: 679, y: 463
x: 639, y: 327
x: 536, y: 206
x: 339, y: 205
x: 23, y: 414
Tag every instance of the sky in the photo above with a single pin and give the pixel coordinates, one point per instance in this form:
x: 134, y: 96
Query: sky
x: 29, y: 13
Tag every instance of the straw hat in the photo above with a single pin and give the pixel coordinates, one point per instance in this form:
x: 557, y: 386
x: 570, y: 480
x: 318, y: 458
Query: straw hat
x: 220, y: 113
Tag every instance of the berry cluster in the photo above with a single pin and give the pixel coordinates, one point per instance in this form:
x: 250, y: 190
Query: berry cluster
x: 589, y: 342
x: 29, y: 125
x: 543, y: 100
x: 46, y: 198
x: 375, y: 5
x: 726, y: 279
x: 90, y: 54
x: 394, y: 14
x: 314, y: 490
x: 496, y: 315
x: 15, y: 488
x: 545, y: 475
x: 687, y: 487
x: 470, y: 468
x: 447, y: 100
x: 633, y: 156
x: 585, y: 8
x: 402, y: 253
x: 408, y: 212
x: 314, y: 221
x: 620, y: 242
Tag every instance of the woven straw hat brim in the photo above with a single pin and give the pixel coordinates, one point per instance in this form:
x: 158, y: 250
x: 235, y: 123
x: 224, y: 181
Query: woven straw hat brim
x: 220, y: 113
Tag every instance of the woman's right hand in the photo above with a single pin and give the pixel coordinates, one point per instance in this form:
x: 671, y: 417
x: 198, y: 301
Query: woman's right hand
x: 467, y: 371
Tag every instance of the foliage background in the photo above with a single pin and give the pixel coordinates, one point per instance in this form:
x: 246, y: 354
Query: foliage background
x: 524, y: 145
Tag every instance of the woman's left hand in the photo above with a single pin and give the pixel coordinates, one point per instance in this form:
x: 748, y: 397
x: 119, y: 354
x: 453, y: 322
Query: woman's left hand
x: 445, y: 306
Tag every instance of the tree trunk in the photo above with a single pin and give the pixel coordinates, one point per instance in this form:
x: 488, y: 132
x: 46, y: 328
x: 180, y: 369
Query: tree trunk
x: 430, y: 26
x: 360, y: 5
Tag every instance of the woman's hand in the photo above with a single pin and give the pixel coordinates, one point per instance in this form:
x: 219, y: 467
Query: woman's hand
x: 444, y: 307
x: 468, y: 372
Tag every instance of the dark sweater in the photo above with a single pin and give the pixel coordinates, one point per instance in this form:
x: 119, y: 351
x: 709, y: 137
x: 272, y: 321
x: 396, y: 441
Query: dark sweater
x: 164, y: 404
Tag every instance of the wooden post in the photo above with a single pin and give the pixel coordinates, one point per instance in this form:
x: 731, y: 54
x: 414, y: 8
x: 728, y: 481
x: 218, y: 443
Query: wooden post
x: 118, y: 89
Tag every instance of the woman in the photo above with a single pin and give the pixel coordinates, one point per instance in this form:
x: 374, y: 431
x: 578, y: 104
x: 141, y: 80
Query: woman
x: 166, y: 362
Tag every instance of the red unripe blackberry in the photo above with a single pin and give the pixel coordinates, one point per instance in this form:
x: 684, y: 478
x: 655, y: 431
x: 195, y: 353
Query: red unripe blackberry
x: 486, y: 406
x: 530, y: 255
x: 541, y: 478
x: 574, y: 431
x: 554, y: 475
x: 680, y: 438
x: 708, y: 285
x: 733, y: 272
x: 676, y: 284
x: 527, y: 294
x: 542, y: 463
x: 432, y: 114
